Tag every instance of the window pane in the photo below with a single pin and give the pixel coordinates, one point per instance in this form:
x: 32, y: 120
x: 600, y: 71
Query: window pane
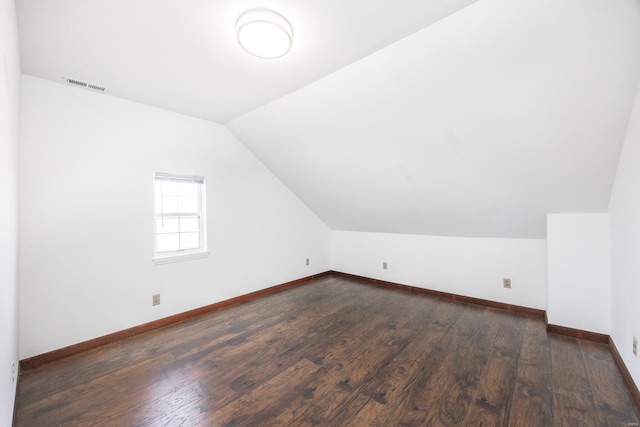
x: 189, y: 240
x: 166, y: 188
x: 188, y: 189
x: 189, y: 223
x: 167, y: 242
x: 169, y: 188
x: 188, y: 204
x: 167, y: 225
x: 178, y: 216
x: 168, y: 204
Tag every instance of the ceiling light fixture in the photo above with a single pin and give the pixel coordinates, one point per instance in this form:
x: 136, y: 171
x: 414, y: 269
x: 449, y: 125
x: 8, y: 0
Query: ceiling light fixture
x: 264, y: 33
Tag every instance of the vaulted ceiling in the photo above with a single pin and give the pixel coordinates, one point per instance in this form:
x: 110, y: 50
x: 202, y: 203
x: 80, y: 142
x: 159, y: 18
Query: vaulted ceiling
x: 183, y: 55
x: 443, y: 117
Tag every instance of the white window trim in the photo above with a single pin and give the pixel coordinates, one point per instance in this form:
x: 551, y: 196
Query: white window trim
x: 185, y: 256
x: 160, y: 258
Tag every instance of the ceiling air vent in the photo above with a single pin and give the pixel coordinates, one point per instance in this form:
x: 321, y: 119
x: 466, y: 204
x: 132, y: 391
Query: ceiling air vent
x: 86, y: 85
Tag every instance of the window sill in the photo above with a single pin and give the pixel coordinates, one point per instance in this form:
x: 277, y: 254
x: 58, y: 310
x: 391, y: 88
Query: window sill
x: 168, y: 259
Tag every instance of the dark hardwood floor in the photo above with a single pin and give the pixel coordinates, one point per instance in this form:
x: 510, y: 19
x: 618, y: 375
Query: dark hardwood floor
x: 335, y: 352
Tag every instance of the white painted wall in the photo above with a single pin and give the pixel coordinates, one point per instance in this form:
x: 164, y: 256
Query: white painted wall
x: 472, y: 267
x: 9, y: 131
x: 624, y: 215
x: 579, y: 294
x: 86, y: 242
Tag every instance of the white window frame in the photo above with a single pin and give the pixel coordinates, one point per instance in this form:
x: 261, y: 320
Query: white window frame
x: 180, y: 254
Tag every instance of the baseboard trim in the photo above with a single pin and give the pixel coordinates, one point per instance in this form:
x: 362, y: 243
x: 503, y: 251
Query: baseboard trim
x: 633, y: 388
x: 578, y: 333
x: 455, y: 297
x: 60, y: 353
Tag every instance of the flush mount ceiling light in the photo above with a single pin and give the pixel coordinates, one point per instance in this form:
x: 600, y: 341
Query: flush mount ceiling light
x: 264, y: 33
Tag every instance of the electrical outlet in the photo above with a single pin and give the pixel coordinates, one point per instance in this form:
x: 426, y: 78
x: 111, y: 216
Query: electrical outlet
x: 635, y: 346
x: 13, y: 371
x: 384, y: 265
x: 155, y: 299
x: 307, y: 261
x: 506, y: 283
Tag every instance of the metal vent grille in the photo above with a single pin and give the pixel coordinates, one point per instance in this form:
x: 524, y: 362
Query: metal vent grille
x: 86, y: 85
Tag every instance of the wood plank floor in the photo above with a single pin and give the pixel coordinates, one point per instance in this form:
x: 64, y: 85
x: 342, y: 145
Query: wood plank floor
x: 335, y: 352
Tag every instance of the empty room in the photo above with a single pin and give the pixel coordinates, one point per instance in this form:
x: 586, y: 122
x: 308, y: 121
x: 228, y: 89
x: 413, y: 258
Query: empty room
x: 328, y: 213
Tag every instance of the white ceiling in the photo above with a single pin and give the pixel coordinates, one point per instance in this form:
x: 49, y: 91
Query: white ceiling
x: 386, y: 116
x: 183, y: 55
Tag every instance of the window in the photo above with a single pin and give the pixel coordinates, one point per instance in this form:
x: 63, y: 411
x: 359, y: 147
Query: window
x: 179, y: 217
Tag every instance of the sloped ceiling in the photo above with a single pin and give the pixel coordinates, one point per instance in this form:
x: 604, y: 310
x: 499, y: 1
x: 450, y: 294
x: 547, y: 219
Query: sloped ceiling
x: 441, y: 117
x: 183, y: 55
x: 478, y: 125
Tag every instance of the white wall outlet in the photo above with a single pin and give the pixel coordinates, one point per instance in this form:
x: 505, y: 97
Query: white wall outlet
x: 384, y: 265
x: 155, y: 300
x: 635, y: 346
x: 307, y: 261
x: 506, y: 283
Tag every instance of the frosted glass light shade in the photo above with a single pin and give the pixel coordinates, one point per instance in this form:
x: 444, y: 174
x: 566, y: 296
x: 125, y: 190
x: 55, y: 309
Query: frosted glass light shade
x: 264, y: 33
